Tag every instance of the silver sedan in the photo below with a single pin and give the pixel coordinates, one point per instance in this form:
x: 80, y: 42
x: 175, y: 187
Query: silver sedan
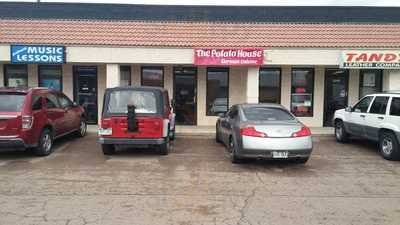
x: 263, y: 131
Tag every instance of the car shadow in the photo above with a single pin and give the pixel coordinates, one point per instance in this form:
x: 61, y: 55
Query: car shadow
x: 26, y: 154
x: 364, y: 145
x: 138, y: 151
x: 281, y: 163
x: 287, y: 168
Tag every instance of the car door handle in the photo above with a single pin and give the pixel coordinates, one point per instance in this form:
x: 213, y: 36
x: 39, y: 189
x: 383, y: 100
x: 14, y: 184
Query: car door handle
x: 381, y: 117
x: 362, y: 116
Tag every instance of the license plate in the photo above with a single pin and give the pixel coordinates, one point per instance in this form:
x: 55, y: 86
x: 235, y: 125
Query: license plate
x: 107, y: 131
x: 280, y: 155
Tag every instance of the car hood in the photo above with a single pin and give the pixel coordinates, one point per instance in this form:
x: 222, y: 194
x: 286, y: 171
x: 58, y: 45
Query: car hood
x: 340, y: 111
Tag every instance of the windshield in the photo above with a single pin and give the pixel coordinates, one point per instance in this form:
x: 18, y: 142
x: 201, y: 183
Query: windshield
x: 11, y: 102
x: 144, y: 101
x: 266, y: 114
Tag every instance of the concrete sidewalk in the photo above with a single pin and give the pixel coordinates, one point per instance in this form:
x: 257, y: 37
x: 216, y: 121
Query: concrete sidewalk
x: 210, y: 130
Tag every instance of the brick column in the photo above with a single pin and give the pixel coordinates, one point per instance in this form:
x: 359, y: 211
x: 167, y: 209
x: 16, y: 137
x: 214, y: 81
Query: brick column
x: 112, y: 75
x: 136, y: 75
x: 2, y: 75
x: 252, y: 81
x: 33, y: 77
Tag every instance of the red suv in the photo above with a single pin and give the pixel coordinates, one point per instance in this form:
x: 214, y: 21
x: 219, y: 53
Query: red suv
x: 136, y: 116
x: 33, y: 118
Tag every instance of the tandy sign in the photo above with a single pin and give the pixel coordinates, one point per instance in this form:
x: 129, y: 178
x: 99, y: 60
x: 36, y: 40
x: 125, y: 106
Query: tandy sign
x: 37, y: 54
x: 229, y: 57
x: 370, y: 59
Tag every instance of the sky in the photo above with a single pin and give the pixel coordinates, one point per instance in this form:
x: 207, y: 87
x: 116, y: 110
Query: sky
x: 241, y: 2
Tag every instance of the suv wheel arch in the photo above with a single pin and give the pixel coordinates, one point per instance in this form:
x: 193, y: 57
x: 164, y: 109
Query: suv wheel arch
x: 388, y: 138
x: 50, y: 127
x: 341, y: 133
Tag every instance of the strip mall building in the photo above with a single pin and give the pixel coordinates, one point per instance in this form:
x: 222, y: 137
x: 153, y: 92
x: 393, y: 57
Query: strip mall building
x: 312, y: 60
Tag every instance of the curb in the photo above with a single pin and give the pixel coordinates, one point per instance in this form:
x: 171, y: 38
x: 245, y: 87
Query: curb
x: 212, y: 134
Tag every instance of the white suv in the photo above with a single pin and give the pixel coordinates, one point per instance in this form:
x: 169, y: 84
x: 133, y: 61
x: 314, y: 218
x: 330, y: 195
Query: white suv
x: 375, y: 117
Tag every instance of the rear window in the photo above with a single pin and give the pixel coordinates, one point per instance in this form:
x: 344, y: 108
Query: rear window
x: 266, y: 114
x: 395, y: 107
x: 144, y: 101
x: 11, y: 102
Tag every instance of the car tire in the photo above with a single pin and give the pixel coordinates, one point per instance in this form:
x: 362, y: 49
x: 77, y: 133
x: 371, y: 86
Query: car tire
x: 389, y: 146
x: 108, y: 149
x: 45, y: 143
x: 81, y: 132
x: 302, y: 160
x: 164, y: 147
x: 217, y: 138
x: 233, y: 152
x: 341, y: 134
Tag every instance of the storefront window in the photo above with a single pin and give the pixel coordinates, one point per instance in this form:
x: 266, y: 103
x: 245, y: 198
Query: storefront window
x: 16, y: 76
x: 217, y: 91
x: 269, y: 85
x: 50, y: 76
x: 152, y: 76
x: 370, y: 82
x: 125, y: 75
x: 302, y: 92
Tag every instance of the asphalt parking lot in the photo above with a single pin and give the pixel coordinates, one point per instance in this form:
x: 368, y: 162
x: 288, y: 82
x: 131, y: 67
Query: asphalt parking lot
x: 196, y: 184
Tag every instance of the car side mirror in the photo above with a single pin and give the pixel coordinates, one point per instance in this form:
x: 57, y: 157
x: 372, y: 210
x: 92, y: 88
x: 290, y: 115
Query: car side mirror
x: 348, y: 109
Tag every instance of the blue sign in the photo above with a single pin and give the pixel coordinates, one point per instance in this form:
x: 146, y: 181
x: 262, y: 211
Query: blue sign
x: 42, y: 54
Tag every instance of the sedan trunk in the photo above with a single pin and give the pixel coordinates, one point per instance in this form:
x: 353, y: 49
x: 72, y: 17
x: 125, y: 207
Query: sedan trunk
x: 276, y: 129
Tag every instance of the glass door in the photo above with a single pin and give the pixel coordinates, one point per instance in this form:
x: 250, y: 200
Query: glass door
x: 85, y: 90
x: 185, y: 92
x: 336, y: 89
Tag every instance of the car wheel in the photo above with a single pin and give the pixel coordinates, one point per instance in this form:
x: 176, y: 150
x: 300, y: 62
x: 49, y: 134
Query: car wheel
x: 217, y: 138
x: 389, y: 146
x: 82, y: 128
x: 164, y: 147
x: 108, y: 149
x: 233, y: 152
x: 45, y: 143
x: 302, y: 160
x: 340, y: 132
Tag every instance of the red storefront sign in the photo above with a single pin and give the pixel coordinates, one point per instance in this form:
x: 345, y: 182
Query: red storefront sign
x: 228, y: 57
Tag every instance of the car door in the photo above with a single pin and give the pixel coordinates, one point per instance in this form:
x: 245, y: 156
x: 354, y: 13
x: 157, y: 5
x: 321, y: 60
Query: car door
x: 356, y: 118
x: 224, y: 125
x: 55, y: 114
x: 375, y: 117
x: 393, y: 116
x: 71, y: 116
x: 231, y: 121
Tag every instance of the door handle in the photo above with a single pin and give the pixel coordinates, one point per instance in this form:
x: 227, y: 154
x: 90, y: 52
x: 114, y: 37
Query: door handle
x: 362, y: 116
x: 381, y: 117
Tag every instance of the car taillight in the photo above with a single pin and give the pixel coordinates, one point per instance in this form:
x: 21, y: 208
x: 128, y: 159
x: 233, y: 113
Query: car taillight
x: 305, y: 131
x: 27, y: 122
x: 105, y: 123
x: 158, y: 124
x: 252, y: 132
